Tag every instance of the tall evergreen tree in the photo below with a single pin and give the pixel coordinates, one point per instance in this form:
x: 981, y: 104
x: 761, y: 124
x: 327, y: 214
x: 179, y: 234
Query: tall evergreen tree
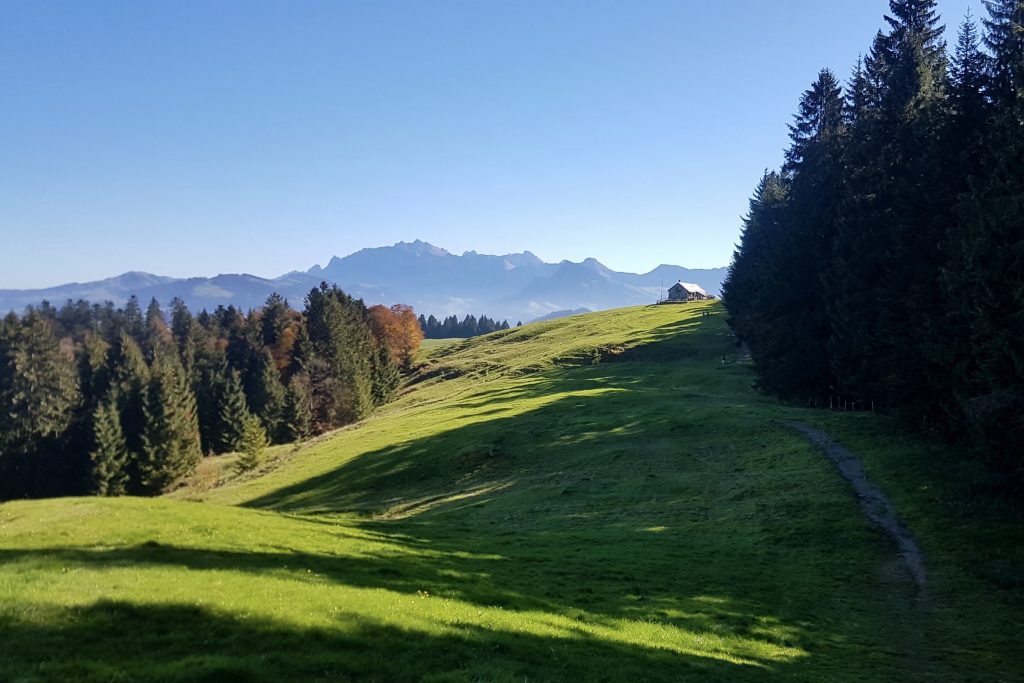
x: 131, y: 377
x: 969, y: 81
x: 339, y: 336
x: 1005, y: 39
x: 233, y: 411
x: 386, y: 376
x: 132, y: 321
x: 745, y: 290
x: 298, y: 415
x: 254, y: 442
x: 170, y: 438
x: 109, y: 455
x: 274, y: 320
x: 793, y: 357
x: 268, y: 401
x: 39, y: 394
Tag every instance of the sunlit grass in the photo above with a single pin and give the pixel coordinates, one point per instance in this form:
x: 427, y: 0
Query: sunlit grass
x: 596, y: 498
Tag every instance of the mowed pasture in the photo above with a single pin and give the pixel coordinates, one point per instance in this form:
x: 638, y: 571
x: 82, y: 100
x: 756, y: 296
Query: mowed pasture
x: 597, y: 498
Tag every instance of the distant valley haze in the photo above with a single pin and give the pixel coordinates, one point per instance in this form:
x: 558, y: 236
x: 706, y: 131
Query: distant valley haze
x: 519, y: 286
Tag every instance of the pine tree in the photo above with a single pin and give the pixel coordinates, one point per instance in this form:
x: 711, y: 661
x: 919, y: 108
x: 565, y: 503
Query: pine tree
x: 132, y: 322
x: 790, y: 354
x: 744, y: 290
x: 131, y: 377
x: 268, y: 401
x: 233, y: 412
x: 917, y: 70
x: 39, y: 396
x: 109, y: 455
x: 38, y: 385
x: 969, y: 81
x: 340, y: 348
x: 274, y: 320
x: 1004, y: 37
x: 985, y: 262
x: 170, y: 438
x: 386, y: 376
x: 186, y: 333
x: 298, y: 417
x: 254, y: 441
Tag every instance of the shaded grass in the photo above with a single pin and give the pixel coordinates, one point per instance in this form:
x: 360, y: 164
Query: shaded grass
x: 595, y: 498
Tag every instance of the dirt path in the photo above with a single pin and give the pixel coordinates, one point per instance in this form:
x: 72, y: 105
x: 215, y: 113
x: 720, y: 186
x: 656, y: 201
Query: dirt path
x: 877, y: 507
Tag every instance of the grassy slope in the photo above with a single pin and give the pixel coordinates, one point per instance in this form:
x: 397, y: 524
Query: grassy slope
x: 525, y: 514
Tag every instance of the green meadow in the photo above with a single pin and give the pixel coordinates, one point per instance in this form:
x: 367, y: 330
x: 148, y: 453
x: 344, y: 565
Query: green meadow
x: 595, y: 498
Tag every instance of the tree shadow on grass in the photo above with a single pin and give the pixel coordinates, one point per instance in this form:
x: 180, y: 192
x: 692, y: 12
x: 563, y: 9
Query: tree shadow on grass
x: 566, y: 511
x: 466, y: 578
x: 114, y: 641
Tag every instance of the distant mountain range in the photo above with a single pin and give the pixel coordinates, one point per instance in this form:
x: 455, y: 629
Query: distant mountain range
x: 434, y: 281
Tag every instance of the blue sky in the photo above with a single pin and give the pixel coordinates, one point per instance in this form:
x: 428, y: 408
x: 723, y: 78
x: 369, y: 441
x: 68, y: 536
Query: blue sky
x: 193, y: 138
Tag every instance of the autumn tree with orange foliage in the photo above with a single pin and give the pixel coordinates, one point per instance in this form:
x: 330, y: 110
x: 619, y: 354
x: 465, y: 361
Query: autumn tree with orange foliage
x: 397, y: 329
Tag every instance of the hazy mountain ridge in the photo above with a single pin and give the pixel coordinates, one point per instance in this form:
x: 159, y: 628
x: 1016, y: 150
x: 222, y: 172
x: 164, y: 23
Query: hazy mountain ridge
x: 515, y: 286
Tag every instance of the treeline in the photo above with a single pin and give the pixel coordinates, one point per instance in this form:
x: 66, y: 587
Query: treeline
x: 450, y: 327
x: 883, y: 264
x: 96, y: 399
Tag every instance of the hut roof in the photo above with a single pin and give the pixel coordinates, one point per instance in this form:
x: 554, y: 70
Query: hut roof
x: 690, y: 287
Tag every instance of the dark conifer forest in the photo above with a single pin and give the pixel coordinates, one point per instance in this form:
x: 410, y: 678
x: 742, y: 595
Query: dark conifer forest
x: 882, y: 266
x: 452, y: 327
x: 95, y: 399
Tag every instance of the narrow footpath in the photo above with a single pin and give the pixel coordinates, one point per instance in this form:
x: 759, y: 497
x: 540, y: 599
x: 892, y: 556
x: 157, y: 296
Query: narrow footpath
x: 878, y: 508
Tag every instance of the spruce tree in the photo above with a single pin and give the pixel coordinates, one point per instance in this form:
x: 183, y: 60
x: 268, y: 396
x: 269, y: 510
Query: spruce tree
x: 298, y: 417
x: 186, y: 334
x: 131, y: 377
x: 340, y: 348
x: 132, y: 321
x: 109, y: 455
x: 789, y: 349
x: 969, y: 82
x: 233, y: 412
x: 268, y: 400
x: 386, y: 376
x: 1005, y: 39
x: 985, y: 261
x: 746, y: 289
x: 254, y: 441
x: 39, y: 396
x: 274, y: 320
x: 170, y: 438
x: 38, y: 385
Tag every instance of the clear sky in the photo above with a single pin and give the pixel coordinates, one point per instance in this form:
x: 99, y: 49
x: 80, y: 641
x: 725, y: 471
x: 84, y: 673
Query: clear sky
x: 194, y: 138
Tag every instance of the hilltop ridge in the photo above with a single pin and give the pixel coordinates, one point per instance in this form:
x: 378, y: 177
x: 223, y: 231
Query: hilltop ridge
x: 517, y: 286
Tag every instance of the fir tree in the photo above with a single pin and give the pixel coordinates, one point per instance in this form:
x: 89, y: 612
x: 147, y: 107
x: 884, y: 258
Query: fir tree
x: 132, y: 322
x: 131, y: 377
x: 386, y: 376
x: 233, y: 412
x: 253, y: 443
x: 185, y: 332
x: 268, y: 401
x: 39, y: 396
x: 969, y: 81
x: 109, y: 455
x: 274, y: 320
x: 170, y: 438
x: 298, y: 417
x: 339, y: 337
x: 1004, y: 37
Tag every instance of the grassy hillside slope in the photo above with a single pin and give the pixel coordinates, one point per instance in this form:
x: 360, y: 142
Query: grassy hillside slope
x: 591, y: 498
